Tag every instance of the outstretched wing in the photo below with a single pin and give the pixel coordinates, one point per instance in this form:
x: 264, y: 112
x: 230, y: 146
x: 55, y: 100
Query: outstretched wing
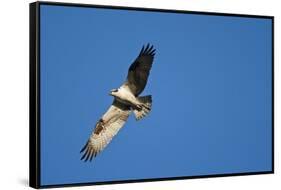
x: 139, y: 70
x: 106, y: 128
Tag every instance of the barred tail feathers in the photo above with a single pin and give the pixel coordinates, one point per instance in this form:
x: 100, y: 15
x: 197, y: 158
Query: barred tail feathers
x: 145, y: 107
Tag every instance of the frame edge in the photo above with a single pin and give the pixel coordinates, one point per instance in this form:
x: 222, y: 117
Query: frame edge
x: 34, y: 166
x: 119, y: 7
x: 34, y: 96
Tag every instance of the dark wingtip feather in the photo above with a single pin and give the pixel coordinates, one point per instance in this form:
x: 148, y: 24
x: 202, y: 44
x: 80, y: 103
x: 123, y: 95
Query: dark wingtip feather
x: 84, y: 147
x: 141, y: 52
x: 86, y: 151
x: 147, y: 50
x: 91, y: 157
x: 88, y: 155
x: 83, y: 156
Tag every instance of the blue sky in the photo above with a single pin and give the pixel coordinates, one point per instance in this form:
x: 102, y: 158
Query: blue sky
x: 210, y: 82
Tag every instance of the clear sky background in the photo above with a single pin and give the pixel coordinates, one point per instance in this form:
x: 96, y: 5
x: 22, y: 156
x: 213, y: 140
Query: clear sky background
x: 210, y: 82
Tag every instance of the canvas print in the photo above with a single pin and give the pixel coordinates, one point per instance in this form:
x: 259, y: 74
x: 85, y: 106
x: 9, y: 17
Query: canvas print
x: 128, y: 94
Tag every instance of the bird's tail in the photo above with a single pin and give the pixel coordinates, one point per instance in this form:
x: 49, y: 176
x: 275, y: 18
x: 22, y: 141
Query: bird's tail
x: 146, y: 103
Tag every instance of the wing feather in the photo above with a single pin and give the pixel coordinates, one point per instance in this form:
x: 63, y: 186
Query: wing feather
x: 106, y: 128
x: 139, y: 70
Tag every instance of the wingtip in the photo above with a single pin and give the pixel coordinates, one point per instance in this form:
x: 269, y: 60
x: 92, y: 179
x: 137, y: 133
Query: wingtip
x: 147, y: 49
x: 88, y: 153
x: 84, y: 147
x: 82, y: 158
x: 141, y: 52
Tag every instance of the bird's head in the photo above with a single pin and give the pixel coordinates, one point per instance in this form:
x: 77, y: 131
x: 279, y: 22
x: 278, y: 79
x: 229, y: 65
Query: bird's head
x: 113, y: 92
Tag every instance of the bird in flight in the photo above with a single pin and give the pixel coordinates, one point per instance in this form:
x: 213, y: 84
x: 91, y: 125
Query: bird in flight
x: 126, y: 100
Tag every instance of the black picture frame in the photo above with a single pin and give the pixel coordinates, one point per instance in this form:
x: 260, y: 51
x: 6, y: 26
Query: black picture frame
x: 34, y: 93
